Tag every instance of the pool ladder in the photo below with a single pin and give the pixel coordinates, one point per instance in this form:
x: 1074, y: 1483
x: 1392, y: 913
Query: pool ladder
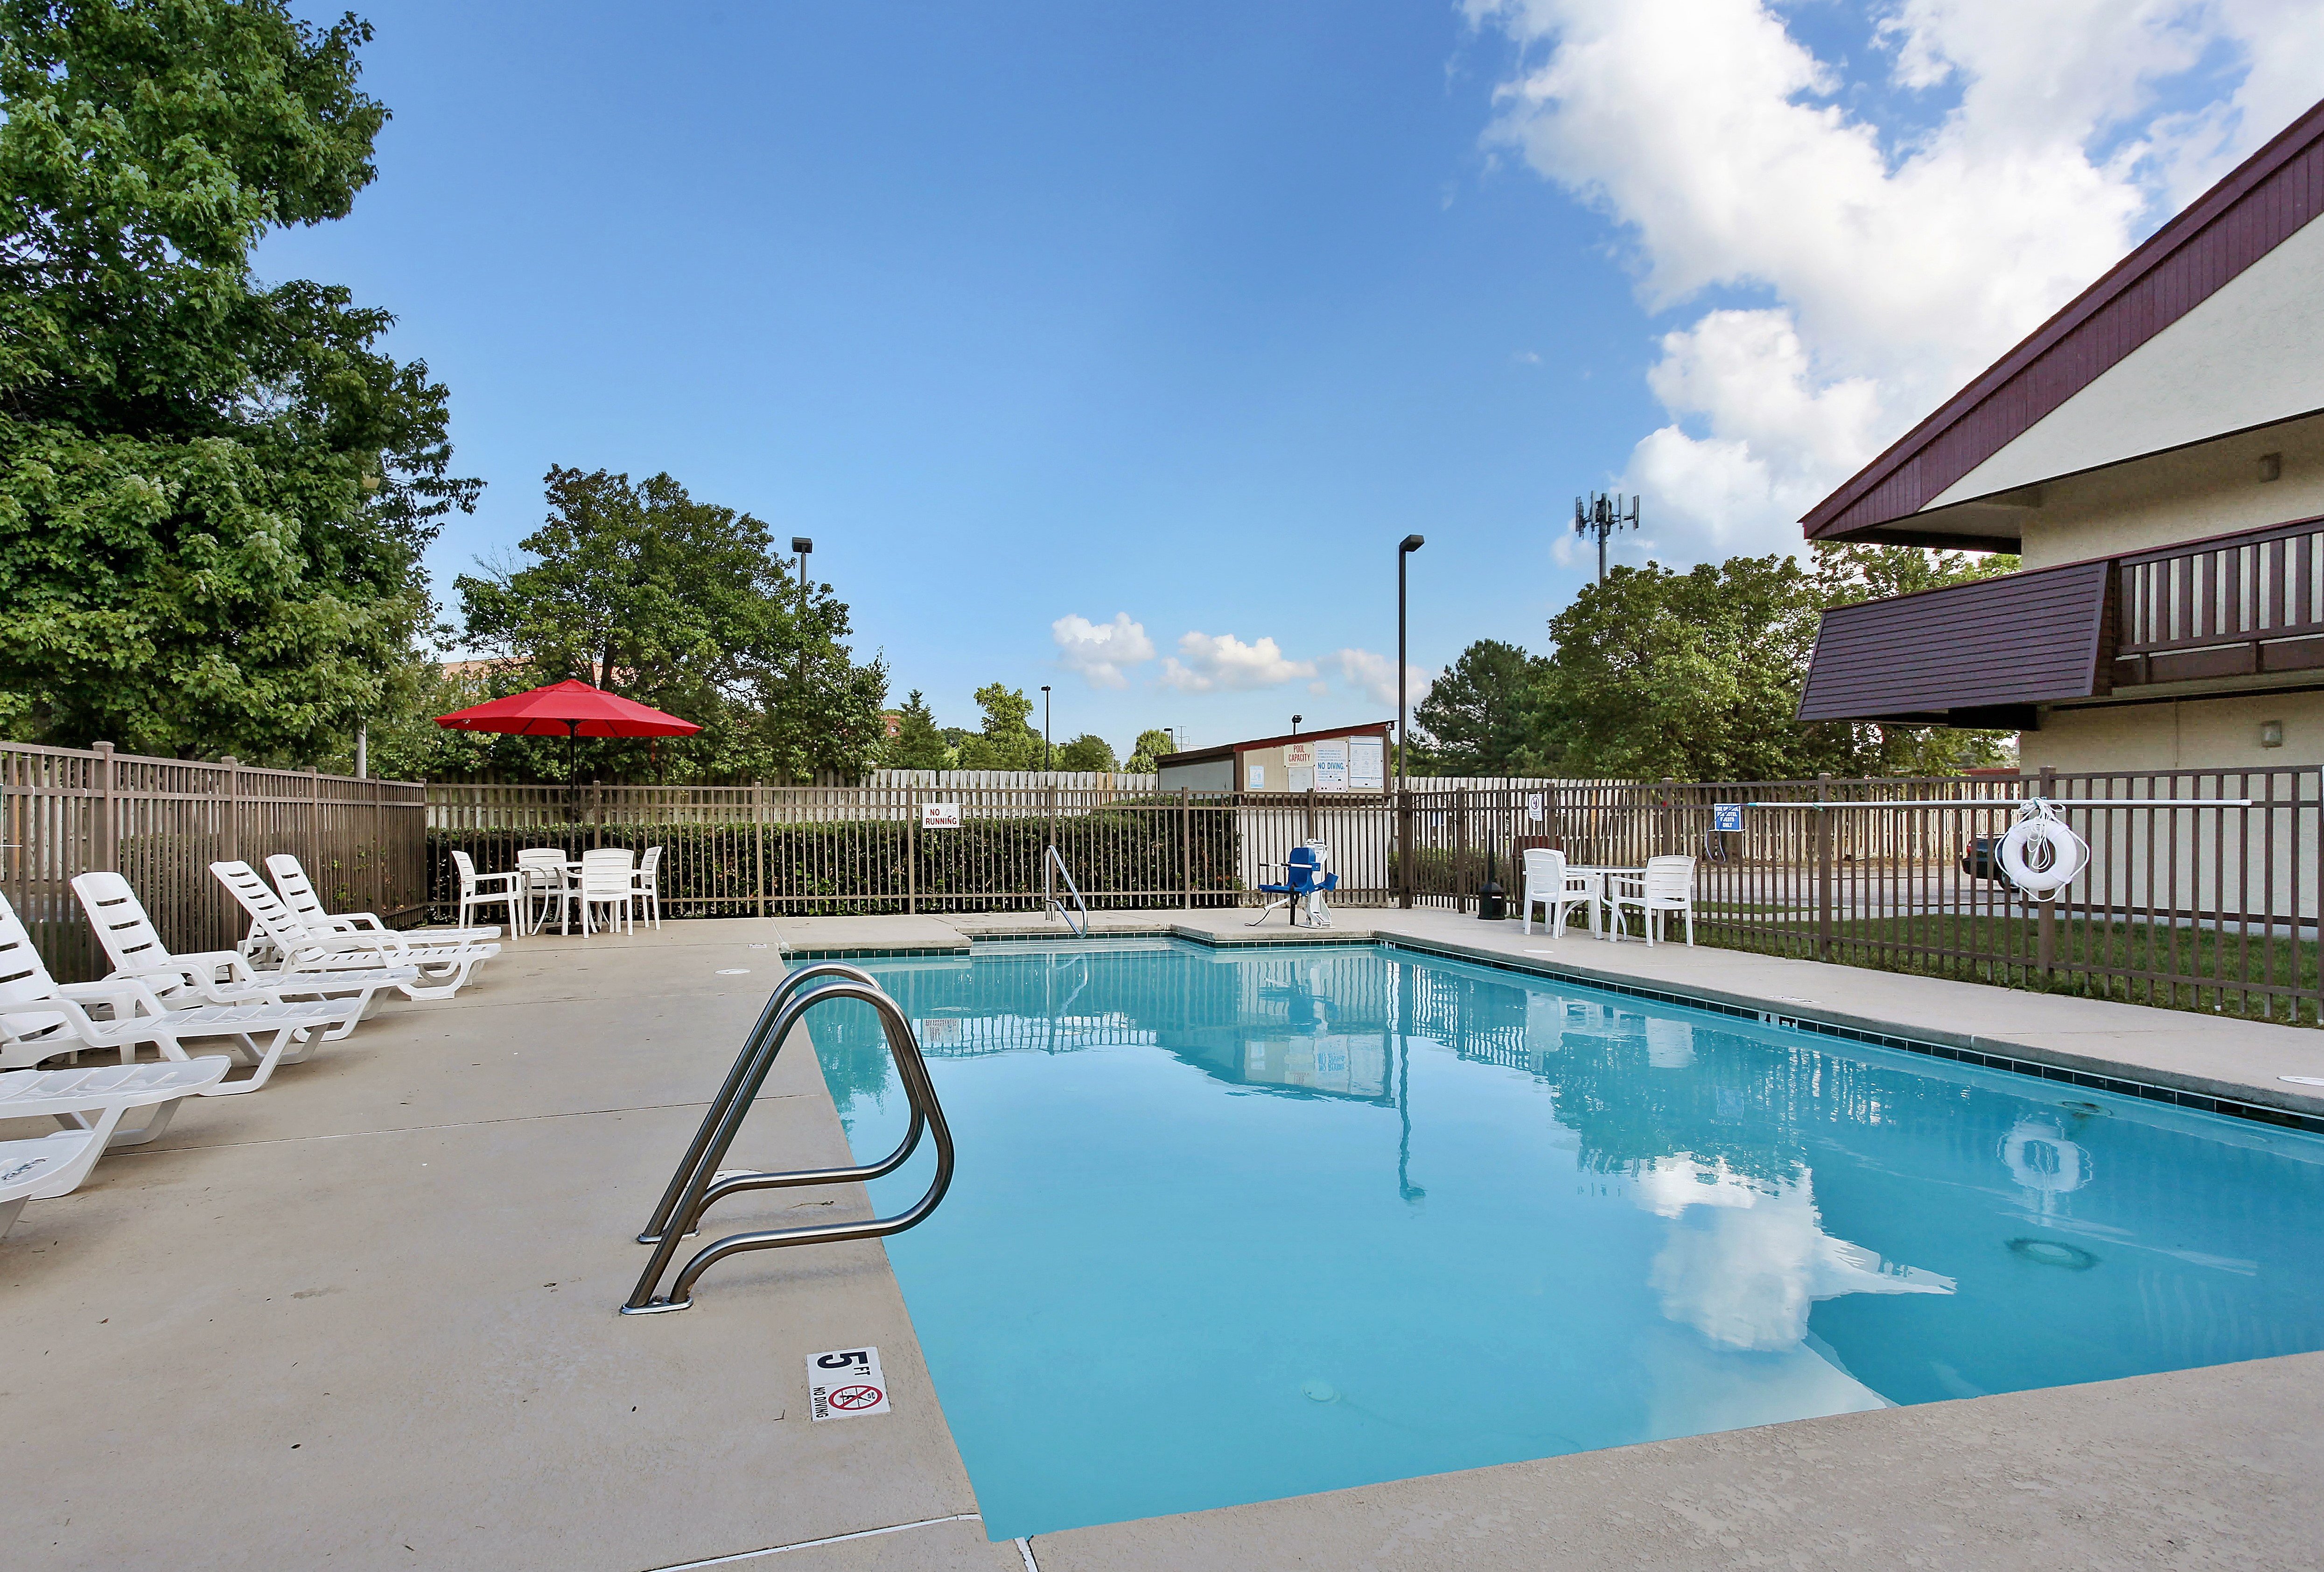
x: 699, y: 1183
x: 1053, y: 865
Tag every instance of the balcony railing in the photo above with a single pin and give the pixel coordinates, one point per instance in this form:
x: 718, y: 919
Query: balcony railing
x: 2237, y: 605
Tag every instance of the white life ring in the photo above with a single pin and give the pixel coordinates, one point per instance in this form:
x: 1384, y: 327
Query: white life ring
x: 2061, y: 857
x: 2041, y: 1158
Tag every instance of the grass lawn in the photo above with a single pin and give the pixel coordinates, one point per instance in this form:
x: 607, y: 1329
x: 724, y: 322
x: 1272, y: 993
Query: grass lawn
x: 2199, y: 969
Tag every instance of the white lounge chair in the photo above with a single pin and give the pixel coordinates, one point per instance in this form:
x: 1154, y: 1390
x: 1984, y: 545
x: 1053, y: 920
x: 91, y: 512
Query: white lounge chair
x: 607, y: 880
x: 476, y: 889
x: 298, y: 893
x: 132, y: 1014
x: 212, y: 976
x: 443, y: 968
x: 90, y: 1103
x: 1664, y: 888
x: 546, y: 879
x: 1547, y: 883
x: 648, y: 884
x: 36, y: 1035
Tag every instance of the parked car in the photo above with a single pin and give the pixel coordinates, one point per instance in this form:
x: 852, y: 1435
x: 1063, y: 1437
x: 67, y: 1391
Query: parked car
x: 1981, y: 859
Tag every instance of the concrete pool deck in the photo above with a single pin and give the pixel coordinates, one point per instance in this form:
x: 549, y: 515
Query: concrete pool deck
x: 366, y: 1318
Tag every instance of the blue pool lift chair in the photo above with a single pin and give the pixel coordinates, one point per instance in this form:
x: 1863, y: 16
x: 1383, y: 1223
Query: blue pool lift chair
x: 1305, y: 883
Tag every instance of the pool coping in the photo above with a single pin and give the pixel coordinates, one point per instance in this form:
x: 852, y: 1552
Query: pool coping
x: 2281, y: 1108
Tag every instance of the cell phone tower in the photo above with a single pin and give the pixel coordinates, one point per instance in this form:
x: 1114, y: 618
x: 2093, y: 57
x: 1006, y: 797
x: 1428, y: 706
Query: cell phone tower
x: 1600, y: 517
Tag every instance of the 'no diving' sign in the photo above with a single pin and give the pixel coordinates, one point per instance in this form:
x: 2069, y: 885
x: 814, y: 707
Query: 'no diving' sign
x: 844, y: 1384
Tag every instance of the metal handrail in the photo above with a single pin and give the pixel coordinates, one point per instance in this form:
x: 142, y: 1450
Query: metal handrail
x: 792, y: 982
x: 697, y: 1184
x: 1053, y: 863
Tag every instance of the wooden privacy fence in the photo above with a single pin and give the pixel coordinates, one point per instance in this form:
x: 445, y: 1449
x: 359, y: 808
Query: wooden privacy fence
x: 162, y: 822
x: 2211, y: 908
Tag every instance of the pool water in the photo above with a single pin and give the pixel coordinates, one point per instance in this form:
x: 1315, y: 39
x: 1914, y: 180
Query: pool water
x: 1233, y: 1224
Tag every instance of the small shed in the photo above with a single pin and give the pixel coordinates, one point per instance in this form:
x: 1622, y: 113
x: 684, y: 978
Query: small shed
x: 1334, y: 758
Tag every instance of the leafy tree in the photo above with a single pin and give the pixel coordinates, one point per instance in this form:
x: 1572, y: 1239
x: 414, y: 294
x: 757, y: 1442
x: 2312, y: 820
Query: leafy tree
x: 1474, y: 715
x: 213, y: 494
x: 1152, y: 744
x: 682, y: 606
x: 1007, y: 741
x: 1087, y: 751
x: 1847, y: 571
x: 1693, y: 676
x: 917, y: 744
x: 1697, y: 676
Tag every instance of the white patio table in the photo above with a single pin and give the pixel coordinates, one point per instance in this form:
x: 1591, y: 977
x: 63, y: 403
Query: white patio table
x: 1598, y: 874
x: 568, y: 870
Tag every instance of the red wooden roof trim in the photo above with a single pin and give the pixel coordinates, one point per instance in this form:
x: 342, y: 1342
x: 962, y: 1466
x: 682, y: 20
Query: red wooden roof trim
x: 2233, y: 216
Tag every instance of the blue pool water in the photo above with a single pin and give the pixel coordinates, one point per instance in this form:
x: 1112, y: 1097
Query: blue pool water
x: 1230, y: 1226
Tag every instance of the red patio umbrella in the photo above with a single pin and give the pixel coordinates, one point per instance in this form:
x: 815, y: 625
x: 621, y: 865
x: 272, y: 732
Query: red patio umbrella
x: 572, y: 707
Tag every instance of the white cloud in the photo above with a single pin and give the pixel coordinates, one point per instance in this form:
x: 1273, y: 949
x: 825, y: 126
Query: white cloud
x: 1100, y: 650
x: 1374, y: 676
x: 1899, y: 263
x: 1221, y: 663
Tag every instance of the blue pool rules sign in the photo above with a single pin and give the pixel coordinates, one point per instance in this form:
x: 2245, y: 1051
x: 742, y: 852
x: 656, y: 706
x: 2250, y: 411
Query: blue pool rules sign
x: 1726, y: 818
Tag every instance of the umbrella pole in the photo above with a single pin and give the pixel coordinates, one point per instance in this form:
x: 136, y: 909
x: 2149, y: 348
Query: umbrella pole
x: 572, y: 773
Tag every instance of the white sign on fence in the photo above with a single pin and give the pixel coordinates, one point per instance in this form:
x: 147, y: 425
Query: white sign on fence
x: 1332, y: 767
x: 1532, y: 807
x: 1367, y: 771
x: 1726, y: 818
x: 939, y: 815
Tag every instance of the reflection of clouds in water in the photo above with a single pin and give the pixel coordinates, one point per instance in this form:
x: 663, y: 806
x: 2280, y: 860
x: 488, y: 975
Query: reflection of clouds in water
x: 1745, y: 1271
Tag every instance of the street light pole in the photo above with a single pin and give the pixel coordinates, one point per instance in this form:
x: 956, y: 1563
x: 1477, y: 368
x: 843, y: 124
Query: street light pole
x: 1045, y: 727
x: 1410, y: 544
x: 1295, y: 724
x: 802, y: 545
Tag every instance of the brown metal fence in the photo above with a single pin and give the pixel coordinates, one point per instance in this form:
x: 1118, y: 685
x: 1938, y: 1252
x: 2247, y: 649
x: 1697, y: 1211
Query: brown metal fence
x: 161, y: 822
x: 844, y: 851
x: 2196, y: 908
x: 2186, y: 906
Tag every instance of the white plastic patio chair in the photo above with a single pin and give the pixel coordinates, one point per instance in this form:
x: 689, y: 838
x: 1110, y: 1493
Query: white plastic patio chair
x: 546, y: 879
x: 505, y: 890
x: 132, y: 1014
x: 607, y: 880
x: 648, y: 884
x: 1549, y: 884
x: 212, y: 977
x: 90, y: 1103
x: 1663, y: 890
x: 443, y: 968
x: 298, y: 893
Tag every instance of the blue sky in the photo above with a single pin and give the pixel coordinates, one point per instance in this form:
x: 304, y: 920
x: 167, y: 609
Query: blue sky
x: 1183, y: 313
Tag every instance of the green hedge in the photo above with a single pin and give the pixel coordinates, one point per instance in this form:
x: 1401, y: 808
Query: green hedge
x: 1121, y: 858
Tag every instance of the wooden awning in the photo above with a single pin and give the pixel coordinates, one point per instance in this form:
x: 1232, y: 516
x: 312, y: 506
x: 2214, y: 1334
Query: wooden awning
x: 1974, y: 655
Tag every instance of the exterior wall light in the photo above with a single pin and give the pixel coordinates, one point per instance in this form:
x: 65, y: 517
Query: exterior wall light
x: 2270, y: 733
x: 2271, y: 466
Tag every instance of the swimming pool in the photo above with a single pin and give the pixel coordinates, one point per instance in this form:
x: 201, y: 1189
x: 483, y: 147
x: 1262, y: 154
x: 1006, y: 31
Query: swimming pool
x: 1235, y: 1225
